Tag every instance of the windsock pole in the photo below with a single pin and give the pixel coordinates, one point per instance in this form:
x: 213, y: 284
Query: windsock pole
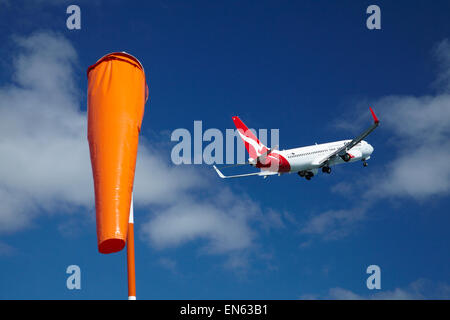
x: 117, y: 93
x: 130, y: 256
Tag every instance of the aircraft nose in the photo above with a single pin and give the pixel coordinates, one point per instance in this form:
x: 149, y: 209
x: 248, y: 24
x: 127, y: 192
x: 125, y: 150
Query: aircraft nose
x: 369, y: 148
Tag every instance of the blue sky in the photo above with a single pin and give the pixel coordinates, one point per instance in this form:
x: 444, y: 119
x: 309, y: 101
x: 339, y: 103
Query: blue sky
x: 310, y: 69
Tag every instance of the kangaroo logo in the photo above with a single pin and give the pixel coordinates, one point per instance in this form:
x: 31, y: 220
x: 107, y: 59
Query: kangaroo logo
x: 257, y: 146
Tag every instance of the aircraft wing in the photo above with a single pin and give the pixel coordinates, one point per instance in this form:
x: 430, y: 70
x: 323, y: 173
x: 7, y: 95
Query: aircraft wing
x: 261, y: 173
x: 343, y: 150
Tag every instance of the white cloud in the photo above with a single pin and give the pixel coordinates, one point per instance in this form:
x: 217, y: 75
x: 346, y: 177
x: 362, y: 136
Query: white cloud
x: 420, y: 127
x: 44, y: 155
x: 15, y: 211
x: 420, y: 131
x: 45, y: 165
x: 442, y: 55
x: 418, y: 290
x: 225, y: 228
x: 343, y: 294
x: 160, y: 183
x: 333, y: 224
x: 419, y: 134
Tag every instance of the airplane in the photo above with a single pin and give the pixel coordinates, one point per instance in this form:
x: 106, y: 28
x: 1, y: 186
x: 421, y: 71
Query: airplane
x: 305, y: 161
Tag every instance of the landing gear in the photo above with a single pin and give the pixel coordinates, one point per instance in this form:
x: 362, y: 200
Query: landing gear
x: 326, y: 169
x: 306, y: 174
x: 365, y: 163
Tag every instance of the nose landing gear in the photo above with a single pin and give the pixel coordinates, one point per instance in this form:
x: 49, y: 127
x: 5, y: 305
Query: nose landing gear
x: 365, y: 164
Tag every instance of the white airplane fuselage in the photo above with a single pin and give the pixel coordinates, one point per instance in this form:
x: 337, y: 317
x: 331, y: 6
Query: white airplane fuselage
x: 306, y: 161
x: 307, y: 158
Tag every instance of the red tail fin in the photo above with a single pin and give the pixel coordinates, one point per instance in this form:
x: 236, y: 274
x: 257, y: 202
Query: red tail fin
x: 252, y: 144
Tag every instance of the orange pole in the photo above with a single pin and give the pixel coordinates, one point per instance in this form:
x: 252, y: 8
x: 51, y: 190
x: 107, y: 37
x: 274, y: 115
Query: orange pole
x: 130, y: 256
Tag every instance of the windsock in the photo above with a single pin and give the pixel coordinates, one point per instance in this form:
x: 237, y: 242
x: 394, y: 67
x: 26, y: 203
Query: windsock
x: 117, y: 92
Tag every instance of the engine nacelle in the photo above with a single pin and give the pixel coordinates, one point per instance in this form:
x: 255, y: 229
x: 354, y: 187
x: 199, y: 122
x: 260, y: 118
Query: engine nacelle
x: 346, y: 157
x: 352, y: 155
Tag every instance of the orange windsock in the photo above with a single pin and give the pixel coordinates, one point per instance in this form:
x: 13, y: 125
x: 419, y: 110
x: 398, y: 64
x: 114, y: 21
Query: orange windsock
x: 117, y: 92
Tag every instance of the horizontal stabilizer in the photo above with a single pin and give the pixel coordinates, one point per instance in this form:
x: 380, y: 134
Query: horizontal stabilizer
x: 261, y: 173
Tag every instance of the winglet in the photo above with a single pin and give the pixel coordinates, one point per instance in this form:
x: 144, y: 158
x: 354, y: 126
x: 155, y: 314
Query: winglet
x: 374, y: 116
x: 219, y: 173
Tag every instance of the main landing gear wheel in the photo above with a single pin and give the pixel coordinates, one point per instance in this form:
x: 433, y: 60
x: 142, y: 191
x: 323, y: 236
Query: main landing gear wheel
x: 306, y: 174
x: 301, y: 173
x: 326, y: 170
